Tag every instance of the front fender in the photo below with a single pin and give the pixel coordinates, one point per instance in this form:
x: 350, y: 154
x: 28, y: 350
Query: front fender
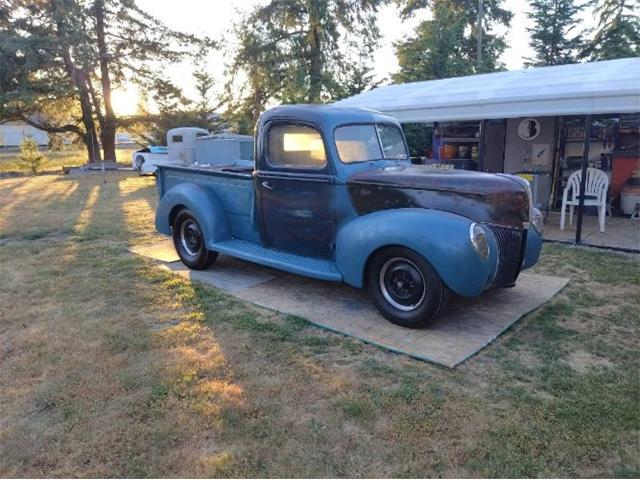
x: 532, y: 248
x: 441, y: 238
x: 205, y: 206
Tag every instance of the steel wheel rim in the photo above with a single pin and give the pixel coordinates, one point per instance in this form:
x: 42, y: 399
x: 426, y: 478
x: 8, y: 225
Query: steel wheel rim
x: 402, y: 284
x: 190, y: 238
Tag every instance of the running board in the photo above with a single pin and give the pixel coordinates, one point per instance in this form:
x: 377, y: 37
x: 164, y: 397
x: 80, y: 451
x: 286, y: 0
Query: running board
x: 307, y: 266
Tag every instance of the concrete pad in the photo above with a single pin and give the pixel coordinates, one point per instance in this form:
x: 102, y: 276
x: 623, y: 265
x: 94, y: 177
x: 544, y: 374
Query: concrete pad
x: 620, y: 232
x: 228, y: 274
x: 466, y: 327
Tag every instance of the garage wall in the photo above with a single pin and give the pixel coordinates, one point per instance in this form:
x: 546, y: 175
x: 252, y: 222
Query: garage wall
x: 12, y: 134
x: 517, y: 150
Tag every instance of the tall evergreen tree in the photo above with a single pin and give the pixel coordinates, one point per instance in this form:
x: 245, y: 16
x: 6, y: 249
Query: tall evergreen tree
x: 618, y: 32
x: 296, y: 51
x: 436, y: 49
x: 205, y: 108
x: 81, y: 50
x: 446, y: 45
x: 553, y: 36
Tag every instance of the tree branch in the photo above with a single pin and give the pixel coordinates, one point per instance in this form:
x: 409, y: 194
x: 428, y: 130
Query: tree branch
x: 47, y: 127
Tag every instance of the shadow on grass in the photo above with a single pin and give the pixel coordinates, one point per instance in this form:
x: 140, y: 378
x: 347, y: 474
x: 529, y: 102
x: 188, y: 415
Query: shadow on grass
x: 116, y: 368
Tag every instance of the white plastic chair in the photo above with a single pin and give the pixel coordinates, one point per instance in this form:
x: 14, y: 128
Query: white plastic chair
x: 595, y: 194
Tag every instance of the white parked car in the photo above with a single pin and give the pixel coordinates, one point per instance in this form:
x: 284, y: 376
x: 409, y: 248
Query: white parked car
x: 148, y: 157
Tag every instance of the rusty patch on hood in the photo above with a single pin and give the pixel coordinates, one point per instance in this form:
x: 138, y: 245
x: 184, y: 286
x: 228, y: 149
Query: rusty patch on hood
x: 481, y: 197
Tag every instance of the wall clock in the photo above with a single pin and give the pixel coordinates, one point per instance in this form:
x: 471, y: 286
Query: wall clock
x: 529, y: 129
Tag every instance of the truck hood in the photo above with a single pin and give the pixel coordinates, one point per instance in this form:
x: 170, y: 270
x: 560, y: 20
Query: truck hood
x: 483, y: 197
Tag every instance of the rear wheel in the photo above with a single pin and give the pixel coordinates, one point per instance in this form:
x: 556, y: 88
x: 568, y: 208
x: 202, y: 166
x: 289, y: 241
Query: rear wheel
x: 188, y: 240
x: 405, y: 288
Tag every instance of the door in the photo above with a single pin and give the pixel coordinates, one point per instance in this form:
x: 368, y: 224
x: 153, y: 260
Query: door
x: 295, y: 190
x: 493, y: 146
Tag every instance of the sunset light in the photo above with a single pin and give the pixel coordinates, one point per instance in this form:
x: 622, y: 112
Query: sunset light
x: 125, y: 100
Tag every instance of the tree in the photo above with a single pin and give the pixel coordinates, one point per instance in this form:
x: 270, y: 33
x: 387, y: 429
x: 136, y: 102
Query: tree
x: 205, y: 109
x: 618, y: 32
x: 34, y: 79
x: 64, y: 48
x: 552, y: 36
x: 175, y: 110
x: 30, y: 159
x: 446, y: 45
x: 296, y: 51
x: 436, y: 49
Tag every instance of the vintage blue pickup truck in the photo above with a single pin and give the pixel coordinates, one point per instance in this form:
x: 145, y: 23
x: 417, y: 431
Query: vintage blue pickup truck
x: 333, y: 195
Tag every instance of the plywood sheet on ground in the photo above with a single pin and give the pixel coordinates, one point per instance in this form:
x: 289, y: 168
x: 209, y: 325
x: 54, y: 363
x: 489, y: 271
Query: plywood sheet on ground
x: 467, y: 326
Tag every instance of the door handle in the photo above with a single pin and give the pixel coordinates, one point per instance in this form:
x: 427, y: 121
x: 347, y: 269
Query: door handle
x: 267, y: 185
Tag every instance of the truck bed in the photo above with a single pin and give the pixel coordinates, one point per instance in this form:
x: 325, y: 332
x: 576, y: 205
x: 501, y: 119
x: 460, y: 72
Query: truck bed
x: 232, y: 185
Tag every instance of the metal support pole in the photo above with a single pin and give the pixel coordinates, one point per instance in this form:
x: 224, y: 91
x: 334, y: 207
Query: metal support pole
x: 479, y: 35
x: 483, y: 128
x: 583, y: 176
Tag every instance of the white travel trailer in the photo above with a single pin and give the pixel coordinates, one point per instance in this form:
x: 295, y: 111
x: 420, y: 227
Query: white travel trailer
x: 181, y: 143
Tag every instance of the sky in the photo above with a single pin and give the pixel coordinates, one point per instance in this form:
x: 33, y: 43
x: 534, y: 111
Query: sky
x: 215, y: 18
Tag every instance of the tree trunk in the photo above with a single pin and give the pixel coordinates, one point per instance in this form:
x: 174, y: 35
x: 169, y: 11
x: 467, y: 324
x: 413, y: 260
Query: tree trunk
x: 79, y: 79
x: 109, y: 124
x: 90, y: 137
x: 315, y: 61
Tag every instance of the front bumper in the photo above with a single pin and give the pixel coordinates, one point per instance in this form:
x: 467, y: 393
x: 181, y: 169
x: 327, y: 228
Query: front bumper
x: 532, y: 248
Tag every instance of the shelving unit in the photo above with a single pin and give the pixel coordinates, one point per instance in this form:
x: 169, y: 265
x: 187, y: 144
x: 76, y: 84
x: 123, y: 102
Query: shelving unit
x: 452, y: 139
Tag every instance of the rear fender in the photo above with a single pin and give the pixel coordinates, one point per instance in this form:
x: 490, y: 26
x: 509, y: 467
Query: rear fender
x: 441, y: 238
x: 205, y: 206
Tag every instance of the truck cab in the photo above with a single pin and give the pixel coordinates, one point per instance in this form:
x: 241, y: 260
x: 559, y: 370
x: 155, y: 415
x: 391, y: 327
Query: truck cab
x: 333, y: 195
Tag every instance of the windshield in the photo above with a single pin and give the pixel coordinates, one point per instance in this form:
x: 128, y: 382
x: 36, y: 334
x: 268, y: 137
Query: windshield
x: 361, y: 143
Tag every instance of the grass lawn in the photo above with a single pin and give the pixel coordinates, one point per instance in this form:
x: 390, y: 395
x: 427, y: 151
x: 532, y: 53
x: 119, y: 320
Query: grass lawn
x: 110, y: 367
x: 56, y: 160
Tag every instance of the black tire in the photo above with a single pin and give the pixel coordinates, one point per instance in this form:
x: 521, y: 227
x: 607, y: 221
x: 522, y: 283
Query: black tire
x: 189, y: 242
x: 139, y: 162
x: 405, y: 288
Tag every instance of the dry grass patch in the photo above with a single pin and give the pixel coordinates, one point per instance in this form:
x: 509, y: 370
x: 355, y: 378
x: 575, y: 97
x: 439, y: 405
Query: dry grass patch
x: 111, y: 367
x: 54, y: 161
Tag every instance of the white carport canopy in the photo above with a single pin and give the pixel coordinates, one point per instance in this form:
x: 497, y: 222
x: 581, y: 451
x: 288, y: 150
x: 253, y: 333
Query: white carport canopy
x: 599, y: 87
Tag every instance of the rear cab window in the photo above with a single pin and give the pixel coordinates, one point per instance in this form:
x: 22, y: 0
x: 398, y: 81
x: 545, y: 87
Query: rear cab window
x: 246, y: 151
x: 296, y: 147
x: 369, y: 142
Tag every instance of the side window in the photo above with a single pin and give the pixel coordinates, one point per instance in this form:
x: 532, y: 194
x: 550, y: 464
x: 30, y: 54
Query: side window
x: 176, y: 139
x: 392, y: 142
x: 296, y: 146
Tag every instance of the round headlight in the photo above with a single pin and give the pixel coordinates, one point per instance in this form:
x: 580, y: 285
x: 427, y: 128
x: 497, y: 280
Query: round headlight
x: 478, y: 237
x: 537, y: 220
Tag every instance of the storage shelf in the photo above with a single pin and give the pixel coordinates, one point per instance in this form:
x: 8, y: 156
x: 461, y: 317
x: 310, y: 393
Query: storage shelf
x: 626, y: 154
x: 460, y: 139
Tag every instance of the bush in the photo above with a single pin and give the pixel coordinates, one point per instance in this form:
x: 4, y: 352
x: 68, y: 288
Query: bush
x: 30, y: 159
x: 56, y: 142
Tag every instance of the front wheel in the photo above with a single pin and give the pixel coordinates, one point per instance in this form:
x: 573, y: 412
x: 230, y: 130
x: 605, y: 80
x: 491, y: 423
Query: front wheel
x: 138, y: 163
x: 405, y: 288
x: 189, y: 242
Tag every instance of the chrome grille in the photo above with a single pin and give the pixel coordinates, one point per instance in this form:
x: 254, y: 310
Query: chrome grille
x: 511, y: 242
